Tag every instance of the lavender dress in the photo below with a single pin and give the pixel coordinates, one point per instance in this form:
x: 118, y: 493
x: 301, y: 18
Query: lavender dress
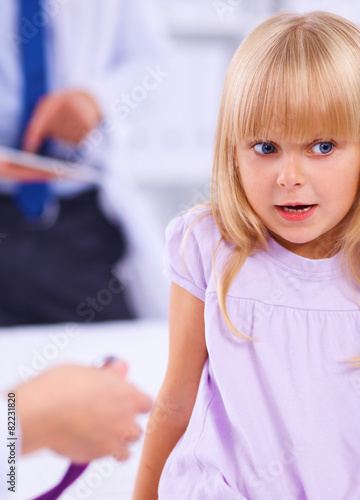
x: 279, y: 418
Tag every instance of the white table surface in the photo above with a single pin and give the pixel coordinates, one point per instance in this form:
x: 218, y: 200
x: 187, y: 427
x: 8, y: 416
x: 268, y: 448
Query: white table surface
x: 30, y: 350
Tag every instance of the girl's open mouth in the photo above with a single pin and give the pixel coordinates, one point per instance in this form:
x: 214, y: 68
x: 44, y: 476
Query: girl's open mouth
x: 296, y: 212
x: 297, y: 208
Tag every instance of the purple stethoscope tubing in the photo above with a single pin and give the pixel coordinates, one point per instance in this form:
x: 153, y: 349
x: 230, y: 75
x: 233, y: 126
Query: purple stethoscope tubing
x: 74, y: 470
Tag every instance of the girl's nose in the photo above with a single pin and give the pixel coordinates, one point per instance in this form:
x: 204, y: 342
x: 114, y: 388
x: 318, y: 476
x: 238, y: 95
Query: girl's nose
x: 291, y: 173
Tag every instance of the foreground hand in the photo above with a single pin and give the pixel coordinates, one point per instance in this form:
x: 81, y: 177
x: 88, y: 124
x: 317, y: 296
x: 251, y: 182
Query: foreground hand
x: 67, y: 116
x: 81, y: 412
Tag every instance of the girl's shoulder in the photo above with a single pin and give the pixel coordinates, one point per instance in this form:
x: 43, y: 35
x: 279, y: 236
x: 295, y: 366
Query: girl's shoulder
x: 191, y: 240
x: 197, y: 223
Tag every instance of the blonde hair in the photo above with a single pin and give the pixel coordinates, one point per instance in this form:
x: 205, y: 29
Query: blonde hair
x: 299, y: 74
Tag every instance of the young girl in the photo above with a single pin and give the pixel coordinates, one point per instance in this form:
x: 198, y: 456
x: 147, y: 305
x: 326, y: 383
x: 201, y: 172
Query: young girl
x: 261, y: 399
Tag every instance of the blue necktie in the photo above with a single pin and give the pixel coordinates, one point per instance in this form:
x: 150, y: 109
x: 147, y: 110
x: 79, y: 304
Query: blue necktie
x: 32, y: 197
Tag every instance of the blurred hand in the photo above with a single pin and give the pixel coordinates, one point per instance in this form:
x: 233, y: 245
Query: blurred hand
x: 68, y: 116
x: 81, y: 412
x: 13, y: 171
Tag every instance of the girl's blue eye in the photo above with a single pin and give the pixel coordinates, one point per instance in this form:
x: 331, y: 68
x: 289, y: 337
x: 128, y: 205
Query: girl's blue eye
x: 265, y: 148
x: 322, y: 148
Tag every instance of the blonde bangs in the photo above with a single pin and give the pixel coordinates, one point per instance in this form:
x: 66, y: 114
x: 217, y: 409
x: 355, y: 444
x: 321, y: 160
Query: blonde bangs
x: 301, y: 85
x: 297, y: 75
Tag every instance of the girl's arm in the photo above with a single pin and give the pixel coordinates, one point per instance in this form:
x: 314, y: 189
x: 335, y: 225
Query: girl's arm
x: 174, y: 404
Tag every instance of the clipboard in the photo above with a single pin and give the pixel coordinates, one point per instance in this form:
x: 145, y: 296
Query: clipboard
x: 44, y: 168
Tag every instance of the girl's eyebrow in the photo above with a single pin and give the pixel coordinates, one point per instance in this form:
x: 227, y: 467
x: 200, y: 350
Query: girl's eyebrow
x: 257, y: 140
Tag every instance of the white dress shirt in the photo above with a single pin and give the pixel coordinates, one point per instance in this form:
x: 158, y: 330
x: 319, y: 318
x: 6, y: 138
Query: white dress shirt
x: 102, y: 47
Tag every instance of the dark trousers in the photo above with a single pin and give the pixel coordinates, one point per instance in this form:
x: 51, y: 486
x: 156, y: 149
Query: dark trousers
x: 64, y: 272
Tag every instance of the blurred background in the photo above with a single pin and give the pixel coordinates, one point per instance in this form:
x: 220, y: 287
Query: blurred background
x: 152, y: 72
x: 167, y: 112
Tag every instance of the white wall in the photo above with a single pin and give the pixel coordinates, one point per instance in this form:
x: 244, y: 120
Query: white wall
x: 171, y: 147
x: 347, y: 8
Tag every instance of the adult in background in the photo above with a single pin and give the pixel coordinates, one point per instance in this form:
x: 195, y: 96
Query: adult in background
x: 67, y: 70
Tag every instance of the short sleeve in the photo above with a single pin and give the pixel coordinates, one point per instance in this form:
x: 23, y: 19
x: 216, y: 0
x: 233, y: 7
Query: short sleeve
x: 188, y: 253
